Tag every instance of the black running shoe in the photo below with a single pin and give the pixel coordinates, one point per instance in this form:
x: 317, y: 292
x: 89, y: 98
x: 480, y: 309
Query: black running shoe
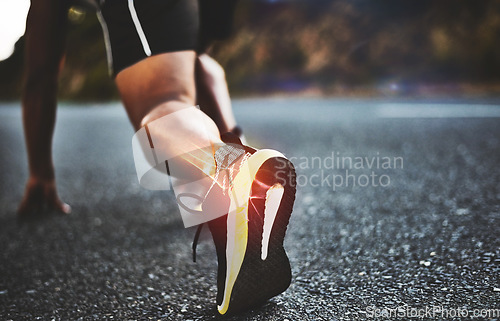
x: 252, y: 264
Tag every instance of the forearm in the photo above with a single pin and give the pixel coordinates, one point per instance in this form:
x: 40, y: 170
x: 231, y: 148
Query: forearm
x: 39, y: 115
x: 45, y: 41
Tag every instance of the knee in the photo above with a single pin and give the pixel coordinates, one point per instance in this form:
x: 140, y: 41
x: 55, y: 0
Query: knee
x: 217, y: 72
x: 186, y: 95
x: 210, y: 69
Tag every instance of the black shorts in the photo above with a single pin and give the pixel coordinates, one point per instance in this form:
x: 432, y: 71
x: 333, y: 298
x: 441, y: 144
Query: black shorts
x: 216, y: 21
x: 134, y: 30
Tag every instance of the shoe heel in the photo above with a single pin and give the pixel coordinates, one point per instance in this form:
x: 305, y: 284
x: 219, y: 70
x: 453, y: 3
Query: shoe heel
x: 260, y: 280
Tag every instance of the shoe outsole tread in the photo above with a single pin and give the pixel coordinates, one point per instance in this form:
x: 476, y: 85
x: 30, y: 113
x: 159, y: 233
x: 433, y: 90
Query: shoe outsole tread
x: 260, y: 280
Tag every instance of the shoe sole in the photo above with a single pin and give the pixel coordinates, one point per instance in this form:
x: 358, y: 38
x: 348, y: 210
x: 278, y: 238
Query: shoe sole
x: 254, y: 275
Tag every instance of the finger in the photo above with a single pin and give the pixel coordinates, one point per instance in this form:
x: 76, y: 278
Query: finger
x: 59, y: 206
x: 56, y: 204
x: 64, y: 208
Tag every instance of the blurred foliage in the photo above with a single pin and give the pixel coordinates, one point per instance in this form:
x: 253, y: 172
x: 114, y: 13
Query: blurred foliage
x: 346, y: 43
x: 85, y: 76
x: 328, y: 45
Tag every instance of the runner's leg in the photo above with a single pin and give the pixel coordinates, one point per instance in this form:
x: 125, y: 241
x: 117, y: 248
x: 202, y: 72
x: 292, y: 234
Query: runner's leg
x: 212, y: 93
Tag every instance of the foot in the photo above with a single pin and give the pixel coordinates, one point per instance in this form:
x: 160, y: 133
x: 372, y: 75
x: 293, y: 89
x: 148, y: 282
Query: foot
x: 252, y: 264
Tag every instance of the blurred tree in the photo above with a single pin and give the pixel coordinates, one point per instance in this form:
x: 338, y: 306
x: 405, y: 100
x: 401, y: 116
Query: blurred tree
x: 11, y: 70
x: 85, y: 75
x: 323, y: 44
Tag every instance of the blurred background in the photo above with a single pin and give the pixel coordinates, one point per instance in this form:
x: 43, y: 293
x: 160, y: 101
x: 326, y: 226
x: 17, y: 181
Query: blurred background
x: 428, y: 239
x: 319, y: 47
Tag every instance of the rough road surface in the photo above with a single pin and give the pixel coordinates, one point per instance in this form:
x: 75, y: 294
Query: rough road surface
x: 414, y: 224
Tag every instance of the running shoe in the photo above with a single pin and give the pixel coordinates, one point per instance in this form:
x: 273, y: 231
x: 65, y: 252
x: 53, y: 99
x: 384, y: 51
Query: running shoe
x: 252, y: 263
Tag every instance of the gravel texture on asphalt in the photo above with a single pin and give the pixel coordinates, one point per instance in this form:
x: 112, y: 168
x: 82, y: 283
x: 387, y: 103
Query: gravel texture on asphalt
x: 428, y: 239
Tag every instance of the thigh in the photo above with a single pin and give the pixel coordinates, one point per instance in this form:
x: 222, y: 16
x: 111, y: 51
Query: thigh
x: 155, y: 81
x: 151, y: 46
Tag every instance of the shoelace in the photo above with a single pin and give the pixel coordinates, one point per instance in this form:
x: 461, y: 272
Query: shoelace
x: 225, y: 159
x: 195, y: 241
x: 224, y: 162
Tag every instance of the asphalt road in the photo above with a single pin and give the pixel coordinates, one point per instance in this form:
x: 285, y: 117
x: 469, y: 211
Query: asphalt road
x: 414, y: 223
